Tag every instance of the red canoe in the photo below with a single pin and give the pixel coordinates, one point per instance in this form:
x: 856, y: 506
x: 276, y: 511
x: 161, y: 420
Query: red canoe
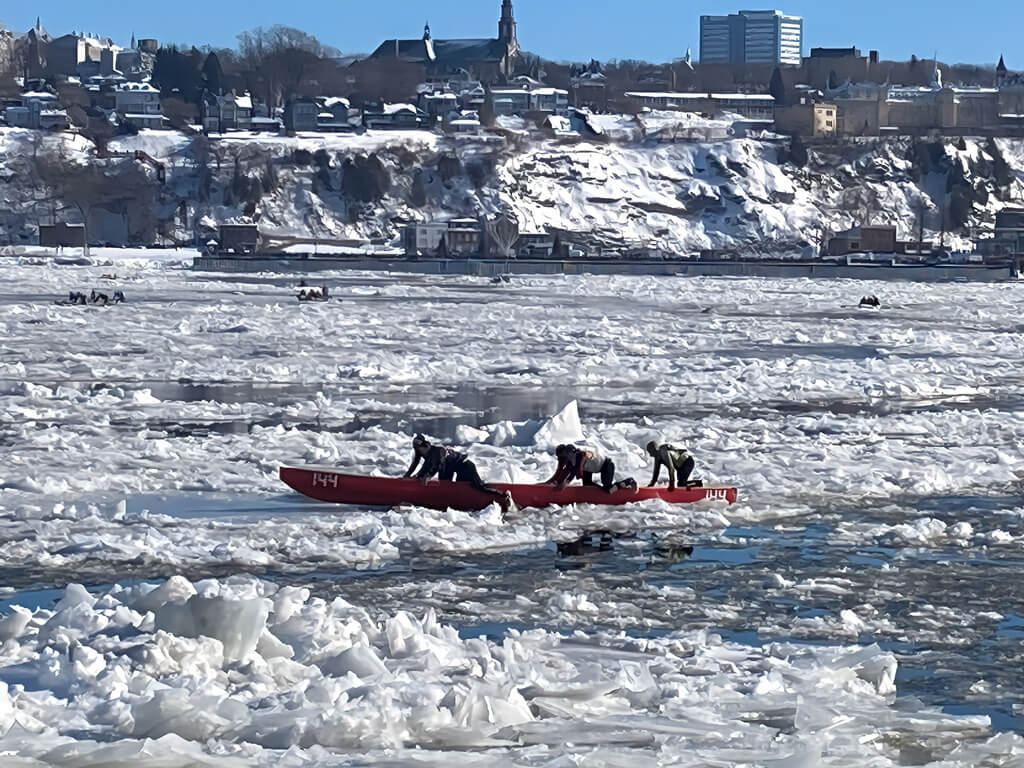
x: 327, y: 485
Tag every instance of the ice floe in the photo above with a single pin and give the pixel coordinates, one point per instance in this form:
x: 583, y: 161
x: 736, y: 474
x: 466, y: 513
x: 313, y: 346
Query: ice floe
x: 243, y: 670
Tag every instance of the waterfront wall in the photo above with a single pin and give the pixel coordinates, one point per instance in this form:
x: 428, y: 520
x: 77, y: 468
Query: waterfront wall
x: 494, y: 267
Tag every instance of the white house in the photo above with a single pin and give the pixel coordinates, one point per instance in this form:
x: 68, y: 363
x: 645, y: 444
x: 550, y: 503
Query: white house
x: 529, y: 96
x: 438, y: 104
x: 139, y: 104
x: 467, y: 121
x: 553, y: 100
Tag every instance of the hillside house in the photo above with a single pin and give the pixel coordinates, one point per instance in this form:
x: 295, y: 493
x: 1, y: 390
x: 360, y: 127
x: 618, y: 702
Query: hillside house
x: 466, y: 122
x: 37, y: 109
x: 301, y: 115
x: 226, y: 112
x: 590, y: 90
x: 528, y: 95
x: 457, y: 237
x: 463, y: 237
x: 864, y: 239
x: 339, y: 106
x: 139, y: 105
x: 438, y: 105
x: 535, y: 245
x: 423, y: 238
x: 334, y: 115
x: 1009, y: 233
x: 238, y: 238
x: 391, y: 116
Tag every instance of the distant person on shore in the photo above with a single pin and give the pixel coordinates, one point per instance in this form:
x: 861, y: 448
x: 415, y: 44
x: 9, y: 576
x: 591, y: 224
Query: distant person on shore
x: 448, y: 464
x: 576, y: 463
x: 677, y: 461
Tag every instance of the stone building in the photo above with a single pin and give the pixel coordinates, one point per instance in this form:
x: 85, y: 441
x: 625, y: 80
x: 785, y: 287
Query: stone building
x: 818, y: 119
x: 490, y: 60
x: 869, y: 109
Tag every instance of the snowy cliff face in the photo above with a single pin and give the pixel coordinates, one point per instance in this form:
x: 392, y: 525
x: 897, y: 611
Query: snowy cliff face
x: 681, y: 188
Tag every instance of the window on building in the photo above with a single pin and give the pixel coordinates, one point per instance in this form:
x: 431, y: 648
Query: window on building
x: 828, y: 123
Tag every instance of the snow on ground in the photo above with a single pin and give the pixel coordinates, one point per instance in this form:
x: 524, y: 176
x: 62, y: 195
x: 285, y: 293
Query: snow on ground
x: 205, y: 383
x: 659, y: 124
x: 670, y: 180
x: 100, y: 256
x: 168, y: 144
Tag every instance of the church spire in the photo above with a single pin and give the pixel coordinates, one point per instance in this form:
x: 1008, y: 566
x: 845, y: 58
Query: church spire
x: 426, y: 31
x: 507, y: 23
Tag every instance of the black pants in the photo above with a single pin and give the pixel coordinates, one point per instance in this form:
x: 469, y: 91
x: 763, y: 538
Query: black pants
x: 466, y: 472
x: 683, y: 472
x: 607, y: 475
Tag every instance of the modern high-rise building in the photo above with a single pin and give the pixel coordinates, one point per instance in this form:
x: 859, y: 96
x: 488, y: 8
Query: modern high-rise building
x: 751, y: 37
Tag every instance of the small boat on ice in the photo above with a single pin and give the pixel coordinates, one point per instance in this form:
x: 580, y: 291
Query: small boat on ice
x: 325, y: 484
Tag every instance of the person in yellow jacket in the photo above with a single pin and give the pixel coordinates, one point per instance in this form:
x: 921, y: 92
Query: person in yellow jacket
x: 677, y: 461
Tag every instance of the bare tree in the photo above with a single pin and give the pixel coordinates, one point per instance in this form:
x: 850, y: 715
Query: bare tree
x: 504, y: 231
x: 71, y: 184
x: 385, y: 79
x: 281, y: 58
x: 180, y: 113
x: 86, y: 186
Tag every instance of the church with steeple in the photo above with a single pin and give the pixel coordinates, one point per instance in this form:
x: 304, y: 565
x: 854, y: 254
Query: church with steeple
x: 490, y: 60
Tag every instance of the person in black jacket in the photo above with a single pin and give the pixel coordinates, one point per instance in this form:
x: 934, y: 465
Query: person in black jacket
x: 448, y: 464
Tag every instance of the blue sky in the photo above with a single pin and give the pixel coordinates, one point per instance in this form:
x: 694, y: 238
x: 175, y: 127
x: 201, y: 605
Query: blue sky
x: 656, y: 30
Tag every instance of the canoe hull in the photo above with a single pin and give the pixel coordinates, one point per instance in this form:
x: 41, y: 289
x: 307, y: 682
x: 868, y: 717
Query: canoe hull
x: 325, y: 484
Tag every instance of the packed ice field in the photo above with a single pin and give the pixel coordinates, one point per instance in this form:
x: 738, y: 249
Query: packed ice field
x: 166, y: 601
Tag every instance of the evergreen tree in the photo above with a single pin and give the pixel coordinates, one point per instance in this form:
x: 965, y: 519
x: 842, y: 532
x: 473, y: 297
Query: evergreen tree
x: 1000, y: 168
x: 798, y: 151
x: 777, y: 88
x: 213, y: 75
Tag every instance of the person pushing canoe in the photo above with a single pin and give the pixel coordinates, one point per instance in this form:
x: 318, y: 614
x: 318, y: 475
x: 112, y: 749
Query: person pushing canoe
x: 582, y: 464
x: 448, y: 464
x: 677, y: 461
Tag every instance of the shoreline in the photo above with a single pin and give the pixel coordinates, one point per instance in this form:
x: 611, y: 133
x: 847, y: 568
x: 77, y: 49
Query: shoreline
x: 933, y: 273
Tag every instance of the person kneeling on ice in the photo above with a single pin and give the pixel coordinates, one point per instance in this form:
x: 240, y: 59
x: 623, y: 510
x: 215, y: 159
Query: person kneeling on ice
x: 677, y: 461
x: 449, y: 464
x: 582, y: 464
